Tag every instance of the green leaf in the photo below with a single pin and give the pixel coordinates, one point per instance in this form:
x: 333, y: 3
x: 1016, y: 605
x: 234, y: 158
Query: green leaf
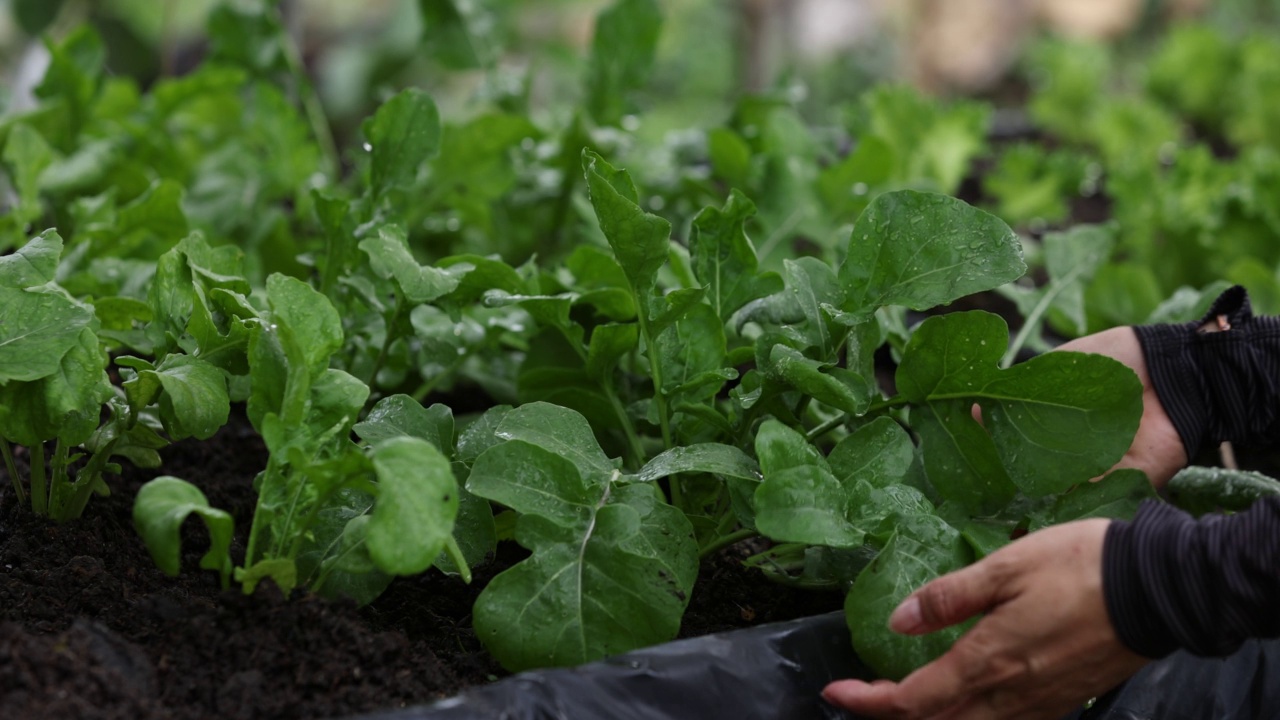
x: 609, y: 344
x: 780, y: 448
x: 305, y: 320
x: 688, y: 351
x: 337, y: 397
x: 1054, y: 421
x: 1115, y: 496
x: 1071, y: 259
x: 447, y: 33
x: 880, y: 453
x: 1199, y: 490
x: 615, y: 577
x: 622, y: 54
x: 33, y: 264
x: 922, y: 250
x: 481, y: 434
x: 402, y: 416
x: 416, y: 507
x: 36, y: 15
x: 159, y: 510
x: 813, y: 287
x: 389, y: 257
x: 560, y: 431
x: 921, y: 550
x: 72, y: 81
x: 802, y: 500
x: 347, y: 571
x: 640, y: 240
x: 65, y: 404
x: 824, y: 382
x: 195, y: 401
x: 724, y: 260
x: 714, y: 458
x: 474, y: 530
x: 404, y: 133
x: 27, y: 155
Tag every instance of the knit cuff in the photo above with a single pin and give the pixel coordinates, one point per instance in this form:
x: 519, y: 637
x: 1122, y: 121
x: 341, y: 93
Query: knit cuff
x: 1218, y: 386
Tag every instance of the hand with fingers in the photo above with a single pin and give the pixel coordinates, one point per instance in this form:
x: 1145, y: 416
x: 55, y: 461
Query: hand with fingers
x: 1044, y: 645
x: 1157, y: 448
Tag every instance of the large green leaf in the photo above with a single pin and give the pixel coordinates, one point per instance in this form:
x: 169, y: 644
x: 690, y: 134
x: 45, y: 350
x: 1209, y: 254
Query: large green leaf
x: 195, y: 401
x: 724, y: 260
x: 447, y: 32
x: 33, y: 264
x: 879, y: 452
x: 690, y: 352
x: 714, y: 458
x: 389, y: 257
x: 1115, y: 496
x: 1054, y: 421
x: 401, y: 415
x: 922, y: 250
x: 417, y: 504
x: 641, y: 241
x: 39, y: 322
x: 403, y: 133
x: 65, y: 404
x: 612, y: 564
x: 560, y: 431
x: 160, y: 508
x: 802, y: 500
x: 614, y: 578
x: 27, y: 155
x: 923, y: 548
x: 622, y: 54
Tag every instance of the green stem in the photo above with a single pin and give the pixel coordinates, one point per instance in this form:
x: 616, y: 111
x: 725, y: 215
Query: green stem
x: 88, y: 477
x: 60, y: 485
x: 1032, y: 321
x: 310, y: 102
x: 826, y: 427
x: 633, y: 440
x: 455, y: 554
x: 655, y: 371
x: 837, y: 421
x: 386, y: 341
x: 725, y: 541
x: 39, y: 482
x: 12, y: 469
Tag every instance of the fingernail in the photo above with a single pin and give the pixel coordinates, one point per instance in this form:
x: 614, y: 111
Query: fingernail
x: 906, y: 618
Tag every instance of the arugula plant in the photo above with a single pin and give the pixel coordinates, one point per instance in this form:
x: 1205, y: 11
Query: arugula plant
x: 916, y: 482
x: 333, y: 515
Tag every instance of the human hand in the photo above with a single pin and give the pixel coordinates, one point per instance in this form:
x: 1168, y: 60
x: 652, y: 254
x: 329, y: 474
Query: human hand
x: 1044, y: 646
x: 1157, y: 448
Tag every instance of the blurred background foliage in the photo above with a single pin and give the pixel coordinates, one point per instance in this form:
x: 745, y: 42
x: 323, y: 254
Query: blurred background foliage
x: 1154, y: 116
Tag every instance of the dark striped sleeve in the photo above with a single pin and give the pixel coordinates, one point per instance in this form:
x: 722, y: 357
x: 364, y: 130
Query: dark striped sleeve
x: 1205, y: 585
x: 1218, y: 386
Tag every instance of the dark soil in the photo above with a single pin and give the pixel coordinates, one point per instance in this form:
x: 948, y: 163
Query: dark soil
x: 89, y: 628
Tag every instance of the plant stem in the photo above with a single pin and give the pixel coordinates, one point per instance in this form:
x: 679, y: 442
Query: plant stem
x: 386, y: 341
x: 655, y: 371
x: 310, y: 101
x: 725, y: 541
x: 12, y: 469
x: 39, y: 484
x: 60, y: 485
x: 1032, y: 322
x: 455, y: 554
x: 826, y: 427
x: 633, y: 440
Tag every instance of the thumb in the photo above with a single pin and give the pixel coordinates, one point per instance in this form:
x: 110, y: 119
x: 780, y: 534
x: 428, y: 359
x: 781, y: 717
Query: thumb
x: 950, y: 599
